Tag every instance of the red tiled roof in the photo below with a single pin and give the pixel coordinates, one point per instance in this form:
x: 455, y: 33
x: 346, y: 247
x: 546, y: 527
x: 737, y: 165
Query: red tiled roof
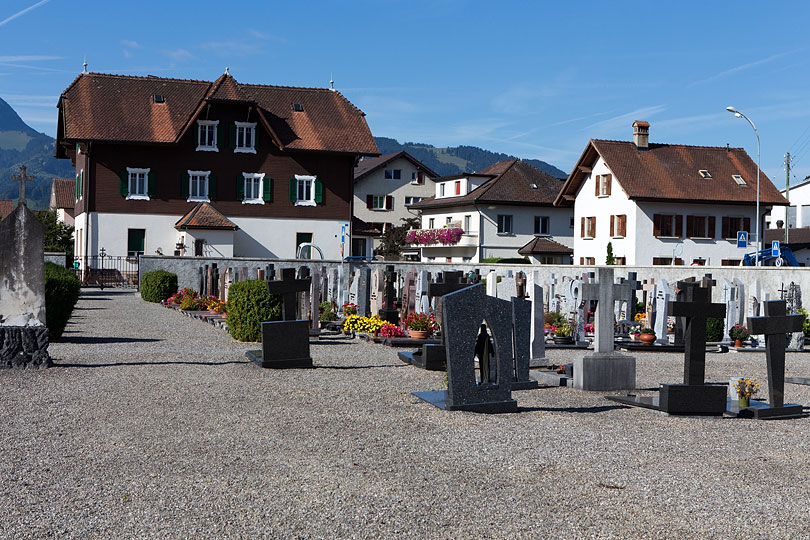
x: 370, y: 165
x: 541, y: 245
x: 669, y: 172
x: 63, y: 191
x: 120, y: 108
x: 204, y: 216
x: 363, y: 228
x: 798, y: 237
x: 511, y: 184
x: 6, y: 207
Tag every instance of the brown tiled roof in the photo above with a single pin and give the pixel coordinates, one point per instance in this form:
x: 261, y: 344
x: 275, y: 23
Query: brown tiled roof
x: 63, y: 189
x: 120, y: 108
x: 363, y: 228
x: 370, y: 165
x: 669, y: 172
x: 541, y: 245
x: 511, y: 184
x: 797, y: 238
x: 6, y: 207
x: 204, y: 216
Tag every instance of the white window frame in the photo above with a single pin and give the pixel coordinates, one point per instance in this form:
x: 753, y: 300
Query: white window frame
x: 602, y: 179
x: 206, y: 124
x: 203, y: 175
x: 547, y: 220
x: 253, y: 176
x: 132, y: 194
x: 431, y: 223
x: 507, y: 219
x: 300, y: 180
x: 245, y: 149
x: 467, y: 220
x: 739, y: 179
x: 393, y: 174
x: 378, y: 202
x: 412, y: 200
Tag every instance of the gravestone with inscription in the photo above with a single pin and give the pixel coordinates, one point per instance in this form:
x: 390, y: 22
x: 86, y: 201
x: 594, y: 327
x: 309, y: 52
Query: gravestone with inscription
x: 389, y: 311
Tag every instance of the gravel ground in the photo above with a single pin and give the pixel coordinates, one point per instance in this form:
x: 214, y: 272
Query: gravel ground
x: 153, y: 425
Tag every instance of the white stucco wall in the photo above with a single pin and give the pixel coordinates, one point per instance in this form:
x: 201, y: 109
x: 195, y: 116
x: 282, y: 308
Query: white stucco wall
x: 217, y: 243
x: 800, y: 202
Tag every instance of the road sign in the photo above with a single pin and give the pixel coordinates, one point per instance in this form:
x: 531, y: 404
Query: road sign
x: 775, y: 251
x: 779, y: 261
x: 742, y: 239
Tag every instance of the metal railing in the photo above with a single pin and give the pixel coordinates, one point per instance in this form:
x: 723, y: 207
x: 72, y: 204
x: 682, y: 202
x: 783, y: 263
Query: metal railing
x: 106, y: 271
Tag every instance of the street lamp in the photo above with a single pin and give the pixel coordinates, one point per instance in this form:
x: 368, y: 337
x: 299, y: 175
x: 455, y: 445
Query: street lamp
x: 738, y: 114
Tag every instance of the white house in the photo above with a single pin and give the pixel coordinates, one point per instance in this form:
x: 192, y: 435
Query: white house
x: 798, y: 213
x: 663, y: 203
x: 503, y: 211
x: 385, y: 187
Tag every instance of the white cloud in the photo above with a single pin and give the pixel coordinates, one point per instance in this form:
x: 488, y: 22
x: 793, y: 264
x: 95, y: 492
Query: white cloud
x: 127, y: 54
x: 231, y: 47
x: 179, y: 55
x: 622, y: 121
x: 744, y: 67
x: 28, y: 58
x: 130, y: 44
x: 26, y: 100
x: 23, y: 12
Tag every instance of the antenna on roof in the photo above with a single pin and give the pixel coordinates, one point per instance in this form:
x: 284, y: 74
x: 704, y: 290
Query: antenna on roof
x: 227, y: 70
x: 331, y: 82
x: 84, y: 65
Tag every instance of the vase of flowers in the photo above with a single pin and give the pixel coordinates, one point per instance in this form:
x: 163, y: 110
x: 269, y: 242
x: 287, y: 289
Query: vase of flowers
x: 349, y: 308
x: 420, y: 325
x: 745, y: 388
x: 647, y: 336
x: 738, y: 333
x: 563, y: 333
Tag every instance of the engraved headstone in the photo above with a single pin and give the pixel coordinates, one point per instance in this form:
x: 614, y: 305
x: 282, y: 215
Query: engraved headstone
x: 663, y: 295
x: 422, y: 299
x: 729, y: 298
x: 376, y: 290
x: 289, y: 287
x: 389, y: 312
x: 793, y: 302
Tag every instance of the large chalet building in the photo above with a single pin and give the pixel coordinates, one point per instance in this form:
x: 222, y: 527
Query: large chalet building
x: 663, y: 204
x: 219, y: 168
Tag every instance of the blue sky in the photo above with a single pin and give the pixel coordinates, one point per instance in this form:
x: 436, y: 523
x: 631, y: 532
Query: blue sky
x: 536, y: 80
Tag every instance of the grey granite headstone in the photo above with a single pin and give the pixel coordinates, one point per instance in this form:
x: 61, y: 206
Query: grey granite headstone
x: 793, y: 304
x: 507, y: 288
x: 521, y: 334
x: 729, y: 298
x: 538, y: 333
x: 376, y: 290
x: 422, y: 302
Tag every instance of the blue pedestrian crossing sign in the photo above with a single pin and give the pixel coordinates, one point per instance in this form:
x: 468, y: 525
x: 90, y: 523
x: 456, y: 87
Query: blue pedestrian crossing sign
x: 742, y: 239
x: 775, y: 251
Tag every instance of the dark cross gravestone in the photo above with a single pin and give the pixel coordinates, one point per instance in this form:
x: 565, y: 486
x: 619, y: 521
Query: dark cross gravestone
x: 520, y: 285
x: 774, y: 325
x: 285, y: 343
x: 464, y: 312
x: 389, y: 311
x: 22, y: 178
x: 693, y: 397
x: 605, y: 369
x: 432, y: 356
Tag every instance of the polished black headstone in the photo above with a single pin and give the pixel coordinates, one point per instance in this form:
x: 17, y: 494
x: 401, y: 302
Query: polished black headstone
x: 390, y: 312
x: 285, y: 344
x: 288, y: 288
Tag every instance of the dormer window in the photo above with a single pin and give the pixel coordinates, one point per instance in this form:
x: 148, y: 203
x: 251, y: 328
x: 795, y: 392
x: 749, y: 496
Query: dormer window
x: 706, y: 175
x: 739, y: 179
x: 207, y: 135
x: 297, y: 107
x: 158, y: 98
x: 245, y: 137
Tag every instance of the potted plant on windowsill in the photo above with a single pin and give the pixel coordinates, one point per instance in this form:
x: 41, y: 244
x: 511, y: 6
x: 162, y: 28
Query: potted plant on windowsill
x: 563, y: 333
x: 420, y: 325
x: 647, y: 336
x: 738, y: 333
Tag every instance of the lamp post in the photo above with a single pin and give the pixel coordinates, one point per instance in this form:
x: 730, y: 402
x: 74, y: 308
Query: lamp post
x: 738, y: 114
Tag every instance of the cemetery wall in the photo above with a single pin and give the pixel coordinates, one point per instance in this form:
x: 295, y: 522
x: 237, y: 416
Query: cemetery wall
x: 56, y: 257
x: 772, y: 279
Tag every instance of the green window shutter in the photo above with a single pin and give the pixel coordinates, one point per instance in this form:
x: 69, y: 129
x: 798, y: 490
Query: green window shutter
x: 240, y: 188
x: 184, y: 185
x: 256, y: 137
x: 212, y: 186
x: 293, y: 190
x: 76, y: 188
x: 221, y: 137
x: 232, y: 130
x: 152, y: 188
x: 124, y: 184
x: 267, y: 189
x: 318, y: 191
x: 81, y: 183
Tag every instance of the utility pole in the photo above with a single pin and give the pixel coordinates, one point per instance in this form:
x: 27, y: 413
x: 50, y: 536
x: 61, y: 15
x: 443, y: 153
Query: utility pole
x: 787, y: 196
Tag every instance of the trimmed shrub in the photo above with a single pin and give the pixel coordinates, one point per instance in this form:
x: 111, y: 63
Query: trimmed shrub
x: 249, y: 304
x: 158, y: 285
x: 61, y: 294
x: 714, y: 329
x: 507, y: 260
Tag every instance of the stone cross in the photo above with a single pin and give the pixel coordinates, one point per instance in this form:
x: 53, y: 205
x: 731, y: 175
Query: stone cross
x: 697, y: 308
x: 576, y: 305
x: 605, y: 293
x: 22, y: 178
x: 775, y: 324
x: 288, y: 288
x: 630, y: 302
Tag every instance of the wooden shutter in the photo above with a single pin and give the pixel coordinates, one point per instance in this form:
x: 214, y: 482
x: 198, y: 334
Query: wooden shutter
x: 151, y: 186
x: 318, y: 191
x: 232, y: 131
x: 656, y: 225
x: 212, y: 186
x: 690, y: 227
x: 267, y: 189
x: 608, y: 181
x: 184, y: 185
x: 293, y: 190
x: 581, y: 261
x: 612, y: 224
x: 582, y: 230
x: 369, y: 201
x: 623, y: 225
x: 593, y: 227
x: 710, y: 227
x: 420, y: 178
x: 76, y: 188
x: 240, y: 188
x: 725, y: 227
x: 256, y: 137
x: 389, y: 202
x: 124, y: 184
x: 746, y: 225
x: 220, y: 137
x: 596, y: 186
x: 678, y: 261
x: 678, y: 226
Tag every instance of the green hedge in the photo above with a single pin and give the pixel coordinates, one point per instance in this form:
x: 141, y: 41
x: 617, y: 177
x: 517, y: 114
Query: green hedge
x: 249, y: 304
x: 158, y: 285
x: 714, y: 329
x: 61, y: 294
x: 508, y: 260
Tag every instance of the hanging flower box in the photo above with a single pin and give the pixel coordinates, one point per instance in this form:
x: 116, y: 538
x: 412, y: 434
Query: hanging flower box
x: 446, y: 236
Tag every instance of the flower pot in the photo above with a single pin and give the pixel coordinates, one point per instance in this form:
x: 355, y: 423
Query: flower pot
x: 636, y: 336
x: 563, y: 340
x: 745, y: 401
x: 418, y: 334
x: 647, y: 339
x: 738, y: 343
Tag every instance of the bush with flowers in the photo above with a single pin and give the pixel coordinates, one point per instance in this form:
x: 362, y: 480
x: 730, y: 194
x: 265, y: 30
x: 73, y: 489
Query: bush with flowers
x: 391, y: 330
x: 179, y: 296
x: 366, y: 325
x: 421, y: 322
x: 738, y: 331
x: 445, y: 236
x: 350, y: 308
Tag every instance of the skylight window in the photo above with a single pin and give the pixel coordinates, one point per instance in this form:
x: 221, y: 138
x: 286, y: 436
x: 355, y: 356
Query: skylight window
x: 706, y: 175
x: 297, y: 107
x: 158, y: 98
x: 739, y: 179
x: 534, y: 186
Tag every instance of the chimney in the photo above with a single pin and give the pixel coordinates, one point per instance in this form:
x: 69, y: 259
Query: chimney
x: 641, y: 134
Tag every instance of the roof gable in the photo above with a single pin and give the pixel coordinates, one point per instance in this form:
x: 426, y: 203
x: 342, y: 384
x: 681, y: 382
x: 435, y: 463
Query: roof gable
x: 63, y: 193
x: 367, y: 166
x: 204, y: 216
x: 6, y: 208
